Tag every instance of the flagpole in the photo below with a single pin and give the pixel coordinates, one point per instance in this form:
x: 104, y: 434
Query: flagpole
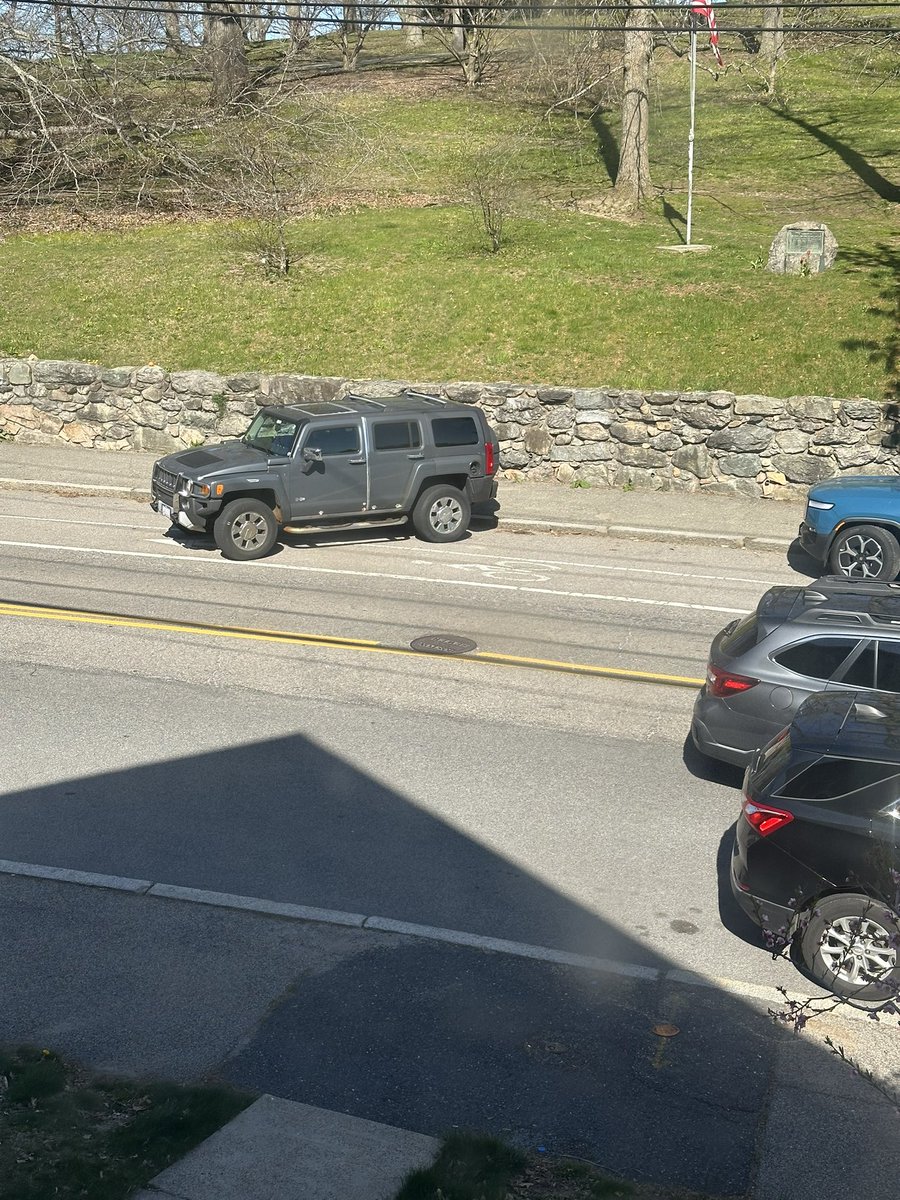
x: 690, y: 199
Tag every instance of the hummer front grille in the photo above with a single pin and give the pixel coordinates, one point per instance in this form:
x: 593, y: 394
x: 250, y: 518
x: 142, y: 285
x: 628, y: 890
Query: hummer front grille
x: 164, y: 481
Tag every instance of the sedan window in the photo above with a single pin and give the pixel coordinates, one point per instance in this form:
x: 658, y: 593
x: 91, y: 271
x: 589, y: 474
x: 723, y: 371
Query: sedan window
x: 818, y: 658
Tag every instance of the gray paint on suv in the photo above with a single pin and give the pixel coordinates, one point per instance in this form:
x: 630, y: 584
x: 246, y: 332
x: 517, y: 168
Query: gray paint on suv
x: 831, y: 634
x: 358, y: 459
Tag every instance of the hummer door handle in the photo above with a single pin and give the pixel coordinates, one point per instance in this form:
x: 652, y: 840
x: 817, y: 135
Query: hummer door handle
x: 356, y: 461
x: 415, y: 456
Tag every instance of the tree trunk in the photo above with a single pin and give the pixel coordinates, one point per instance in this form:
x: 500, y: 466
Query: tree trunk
x: 173, y: 33
x: 227, y: 52
x: 299, y: 25
x: 415, y: 32
x: 257, y: 28
x: 771, y: 43
x: 458, y: 34
x: 633, y: 176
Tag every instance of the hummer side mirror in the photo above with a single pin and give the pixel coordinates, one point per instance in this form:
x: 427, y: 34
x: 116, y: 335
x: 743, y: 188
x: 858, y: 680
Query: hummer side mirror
x: 312, y: 454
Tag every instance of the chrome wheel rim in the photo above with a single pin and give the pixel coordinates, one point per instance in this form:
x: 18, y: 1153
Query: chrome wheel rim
x: 249, y: 530
x: 445, y: 515
x: 858, y: 950
x: 860, y: 557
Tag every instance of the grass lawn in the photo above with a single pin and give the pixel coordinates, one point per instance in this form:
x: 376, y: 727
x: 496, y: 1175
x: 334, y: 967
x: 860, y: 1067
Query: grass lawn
x: 470, y: 1167
x: 399, y: 291
x: 73, y: 1136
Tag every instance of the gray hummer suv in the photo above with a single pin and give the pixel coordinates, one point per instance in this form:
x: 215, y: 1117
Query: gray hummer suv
x: 357, y: 459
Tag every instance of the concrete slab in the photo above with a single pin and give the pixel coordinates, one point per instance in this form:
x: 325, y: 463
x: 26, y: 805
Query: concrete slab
x: 281, y: 1150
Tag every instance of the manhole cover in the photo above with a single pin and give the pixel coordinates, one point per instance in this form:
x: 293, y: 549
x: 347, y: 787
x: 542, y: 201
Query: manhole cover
x: 443, y: 643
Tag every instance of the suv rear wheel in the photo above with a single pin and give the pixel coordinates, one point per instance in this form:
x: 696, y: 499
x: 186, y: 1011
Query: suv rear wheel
x: 865, y: 552
x: 245, y: 529
x: 850, y: 946
x: 441, y: 514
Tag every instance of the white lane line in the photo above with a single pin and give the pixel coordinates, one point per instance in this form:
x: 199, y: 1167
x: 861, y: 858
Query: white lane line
x: 97, y: 522
x: 396, y: 576
x: 456, y: 937
x: 499, y: 560
x: 556, y: 564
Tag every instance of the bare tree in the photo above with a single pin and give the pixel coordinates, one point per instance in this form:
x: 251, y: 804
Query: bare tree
x: 174, y: 44
x: 352, y: 24
x: 472, y: 36
x: 301, y: 18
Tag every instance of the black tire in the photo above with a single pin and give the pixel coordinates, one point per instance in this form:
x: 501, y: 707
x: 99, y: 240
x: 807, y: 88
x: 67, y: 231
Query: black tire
x: 865, y: 552
x: 441, y: 514
x: 848, y: 941
x: 245, y: 529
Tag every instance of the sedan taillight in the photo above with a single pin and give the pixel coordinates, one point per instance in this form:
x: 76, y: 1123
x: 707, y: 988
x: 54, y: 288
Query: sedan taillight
x: 726, y: 683
x: 763, y: 817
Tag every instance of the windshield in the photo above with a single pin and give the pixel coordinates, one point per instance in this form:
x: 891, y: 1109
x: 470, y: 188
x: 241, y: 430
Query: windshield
x: 271, y: 434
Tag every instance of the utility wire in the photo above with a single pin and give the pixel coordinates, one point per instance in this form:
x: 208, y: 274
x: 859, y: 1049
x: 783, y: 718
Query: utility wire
x: 250, y: 12
x: 527, y: 10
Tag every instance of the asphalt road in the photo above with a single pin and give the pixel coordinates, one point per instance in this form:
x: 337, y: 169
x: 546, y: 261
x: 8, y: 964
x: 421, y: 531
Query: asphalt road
x: 550, y: 808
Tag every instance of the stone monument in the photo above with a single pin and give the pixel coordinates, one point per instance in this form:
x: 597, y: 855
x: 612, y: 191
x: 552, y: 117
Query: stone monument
x: 802, y: 248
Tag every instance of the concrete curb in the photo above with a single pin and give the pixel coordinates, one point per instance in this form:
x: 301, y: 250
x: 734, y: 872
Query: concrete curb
x: 690, y: 537
x: 455, y: 937
x: 57, y: 487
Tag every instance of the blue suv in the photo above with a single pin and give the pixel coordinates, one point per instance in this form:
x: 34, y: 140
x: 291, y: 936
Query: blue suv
x: 852, y: 525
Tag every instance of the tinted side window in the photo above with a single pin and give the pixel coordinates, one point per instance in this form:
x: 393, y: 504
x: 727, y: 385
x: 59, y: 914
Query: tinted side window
x: 742, y: 637
x: 455, y: 431
x: 334, y: 439
x: 861, y: 672
x: 818, y: 658
x: 832, y: 777
x: 396, y: 435
x: 889, y: 666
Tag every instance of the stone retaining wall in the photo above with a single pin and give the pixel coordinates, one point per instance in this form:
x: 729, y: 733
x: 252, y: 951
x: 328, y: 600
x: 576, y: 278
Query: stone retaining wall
x: 710, y: 441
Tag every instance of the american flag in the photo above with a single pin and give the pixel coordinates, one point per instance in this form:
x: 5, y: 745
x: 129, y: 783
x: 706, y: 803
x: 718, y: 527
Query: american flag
x: 704, y: 10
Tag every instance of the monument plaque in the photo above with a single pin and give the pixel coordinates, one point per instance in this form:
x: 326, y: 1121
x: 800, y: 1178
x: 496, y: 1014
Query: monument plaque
x: 804, y: 248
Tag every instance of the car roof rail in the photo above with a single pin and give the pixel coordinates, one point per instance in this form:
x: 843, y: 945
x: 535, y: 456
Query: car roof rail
x: 836, y: 599
x: 368, y: 400
x: 425, y: 396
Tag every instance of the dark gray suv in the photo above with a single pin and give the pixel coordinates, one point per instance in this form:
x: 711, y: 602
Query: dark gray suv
x: 357, y: 459
x: 832, y: 634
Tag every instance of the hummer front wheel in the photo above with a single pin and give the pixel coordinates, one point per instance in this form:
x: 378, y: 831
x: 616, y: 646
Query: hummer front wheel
x: 245, y: 529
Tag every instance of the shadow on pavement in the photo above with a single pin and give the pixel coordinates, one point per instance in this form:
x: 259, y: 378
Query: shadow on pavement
x: 803, y: 563
x: 412, y: 1032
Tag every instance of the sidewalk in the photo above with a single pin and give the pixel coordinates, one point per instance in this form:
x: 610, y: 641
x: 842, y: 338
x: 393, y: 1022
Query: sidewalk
x: 692, y: 518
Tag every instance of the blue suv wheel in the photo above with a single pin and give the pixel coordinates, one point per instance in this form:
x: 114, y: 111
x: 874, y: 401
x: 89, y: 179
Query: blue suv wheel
x: 865, y: 552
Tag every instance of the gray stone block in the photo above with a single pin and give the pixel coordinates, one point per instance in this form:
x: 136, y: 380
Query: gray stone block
x: 631, y: 432
x: 799, y: 468
x: 739, y: 464
x: 741, y: 439
x: 56, y: 372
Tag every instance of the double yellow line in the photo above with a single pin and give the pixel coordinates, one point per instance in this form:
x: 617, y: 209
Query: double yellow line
x: 49, y: 612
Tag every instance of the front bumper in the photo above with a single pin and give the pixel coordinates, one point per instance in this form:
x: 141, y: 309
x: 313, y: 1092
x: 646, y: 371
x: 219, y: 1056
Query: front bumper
x: 186, y: 511
x: 813, y: 542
